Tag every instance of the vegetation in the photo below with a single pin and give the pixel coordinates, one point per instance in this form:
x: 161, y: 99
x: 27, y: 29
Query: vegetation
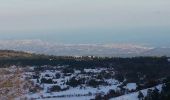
x: 155, y: 94
x: 134, y: 69
x: 147, y: 72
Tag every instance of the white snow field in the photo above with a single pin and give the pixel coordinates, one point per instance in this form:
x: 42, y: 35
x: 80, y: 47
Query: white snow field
x: 134, y: 96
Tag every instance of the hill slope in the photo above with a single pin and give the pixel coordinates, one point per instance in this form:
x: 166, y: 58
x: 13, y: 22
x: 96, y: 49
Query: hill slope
x: 14, y: 54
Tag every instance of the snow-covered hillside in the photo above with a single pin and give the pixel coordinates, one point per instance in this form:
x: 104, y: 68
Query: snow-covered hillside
x: 134, y: 96
x: 83, y: 91
x: 64, y: 83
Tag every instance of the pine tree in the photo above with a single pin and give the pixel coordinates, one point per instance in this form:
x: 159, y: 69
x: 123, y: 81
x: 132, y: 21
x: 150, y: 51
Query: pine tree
x: 155, y: 94
x: 38, y: 80
x: 140, y: 95
x: 149, y: 95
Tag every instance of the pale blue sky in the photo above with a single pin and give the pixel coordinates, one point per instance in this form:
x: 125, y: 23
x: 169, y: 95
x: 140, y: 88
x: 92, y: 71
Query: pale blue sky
x: 87, y: 21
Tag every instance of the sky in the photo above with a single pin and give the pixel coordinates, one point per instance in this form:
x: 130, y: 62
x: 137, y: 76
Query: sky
x: 87, y: 21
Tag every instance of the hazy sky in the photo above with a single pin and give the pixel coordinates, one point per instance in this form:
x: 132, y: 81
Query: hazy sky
x: 87, y: 21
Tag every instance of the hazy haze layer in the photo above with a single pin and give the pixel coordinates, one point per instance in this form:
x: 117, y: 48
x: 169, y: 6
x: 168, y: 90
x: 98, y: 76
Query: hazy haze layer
x: 87, y: 21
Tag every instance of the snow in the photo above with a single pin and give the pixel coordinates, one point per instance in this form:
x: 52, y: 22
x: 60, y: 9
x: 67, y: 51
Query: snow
x: 69, y: 94
x: 68, y: 98
x: 134, y: 96
x: 131, y: 86
x: 94, y: 70
x: 83, y: 92
x: 77, y: 71
x: 74, y: 91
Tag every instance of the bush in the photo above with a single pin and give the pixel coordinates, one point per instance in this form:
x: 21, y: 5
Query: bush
x: 57, y: 75
x: 55, y: 88
x: 68, y: 70
x: 47, y: 81
x: 73, y: 82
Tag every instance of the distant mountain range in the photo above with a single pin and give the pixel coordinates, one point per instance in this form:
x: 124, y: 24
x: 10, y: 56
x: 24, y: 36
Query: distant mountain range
x: 59, y: 49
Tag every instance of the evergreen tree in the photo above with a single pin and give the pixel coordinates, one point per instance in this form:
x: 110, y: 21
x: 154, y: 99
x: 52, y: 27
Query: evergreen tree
x: 38, y: 80
x: 149, y: 95
x: 140, y: 95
